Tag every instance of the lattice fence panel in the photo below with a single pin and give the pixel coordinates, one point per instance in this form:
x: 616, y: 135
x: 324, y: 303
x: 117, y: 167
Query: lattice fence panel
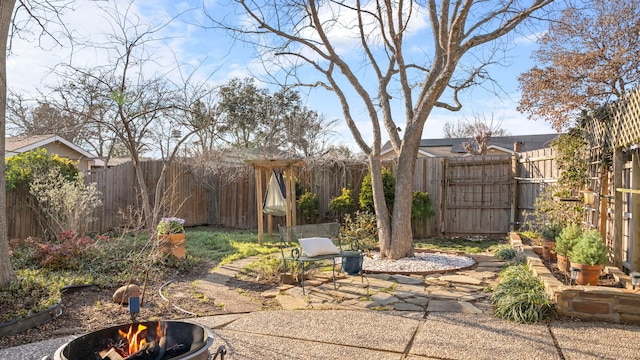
x: 624, y: 128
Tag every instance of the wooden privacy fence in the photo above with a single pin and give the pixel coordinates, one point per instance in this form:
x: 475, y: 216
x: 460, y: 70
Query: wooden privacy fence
x: 475, y: 195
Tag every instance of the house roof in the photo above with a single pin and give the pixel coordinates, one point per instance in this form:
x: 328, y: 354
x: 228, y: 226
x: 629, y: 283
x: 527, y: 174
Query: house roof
x: 19, y: 144
x: 454, y: 146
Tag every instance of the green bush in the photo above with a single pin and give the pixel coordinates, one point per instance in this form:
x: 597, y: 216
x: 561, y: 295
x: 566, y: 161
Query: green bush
x: 362, y: 226
x: 567, y: 239
x: 551, y: 231
x: 309, y: 206
x: 65, y: 205
x: 21, y: 169
x: 421, y: 207
x: 520, y: 296
x: 589, y: 249
x: 343, y: 203
x: 366, y: 191
x: 505, y: 253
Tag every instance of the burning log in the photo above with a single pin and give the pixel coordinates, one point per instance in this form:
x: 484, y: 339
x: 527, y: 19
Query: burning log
x: 110, y: 354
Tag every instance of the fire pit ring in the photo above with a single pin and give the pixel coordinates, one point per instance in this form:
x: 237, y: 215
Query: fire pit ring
x: 193, y: 341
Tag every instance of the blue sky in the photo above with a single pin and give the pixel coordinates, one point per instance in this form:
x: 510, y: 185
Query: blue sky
x: 218, y: 59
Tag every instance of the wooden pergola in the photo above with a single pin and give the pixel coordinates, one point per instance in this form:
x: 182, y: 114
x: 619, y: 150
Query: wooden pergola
x: 264, y: 167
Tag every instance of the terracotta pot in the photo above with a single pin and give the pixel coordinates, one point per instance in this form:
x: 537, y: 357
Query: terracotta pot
x: 547, y: 250
x: 589, y: 274
x: 563, y: 263
x: 173, y: 244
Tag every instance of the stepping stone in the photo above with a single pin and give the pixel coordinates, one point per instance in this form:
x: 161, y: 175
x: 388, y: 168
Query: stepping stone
x: 289, y: 302
x: 408, y: 280
x: 452, y: 306
x: 376, y: 284
x: 444, y: 306
x: 402, y: 306
x: 469, y: 288
x: 463, y: 279
x: 498, y: 264
x: 314, y: 282
x: 421, y: 301
x: 469, y: 308
x: 481, y: 275
x: 270, y: 294
x: 439, y: 293
x: 383, y: 299
x: 416, y: 289
x: 378, y: 276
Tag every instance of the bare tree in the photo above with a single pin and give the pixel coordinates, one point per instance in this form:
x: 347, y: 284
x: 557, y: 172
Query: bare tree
x: 310, y: 34
x: 588, y: 58
x: 480, y: 130
x: 41, y: 118
x: 134, y: 105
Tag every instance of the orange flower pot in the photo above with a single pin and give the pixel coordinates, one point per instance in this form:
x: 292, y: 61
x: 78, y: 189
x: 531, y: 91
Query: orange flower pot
x: 589, y: 274
x: 173, y: 244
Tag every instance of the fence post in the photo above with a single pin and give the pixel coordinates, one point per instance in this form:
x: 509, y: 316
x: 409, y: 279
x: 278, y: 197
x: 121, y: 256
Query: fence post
x: 634, y: 257
x: 514, y: 192
x: 618, y: 164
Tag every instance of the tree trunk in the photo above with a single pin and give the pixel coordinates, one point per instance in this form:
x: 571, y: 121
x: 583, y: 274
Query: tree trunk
x: 382, y: 212
x: 147, y: 212
x: 6, y: 271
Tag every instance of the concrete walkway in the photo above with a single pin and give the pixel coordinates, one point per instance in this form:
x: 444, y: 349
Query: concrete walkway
x: 436, y: 316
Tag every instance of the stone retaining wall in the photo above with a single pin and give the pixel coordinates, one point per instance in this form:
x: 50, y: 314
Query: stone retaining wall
x: 585, y: 302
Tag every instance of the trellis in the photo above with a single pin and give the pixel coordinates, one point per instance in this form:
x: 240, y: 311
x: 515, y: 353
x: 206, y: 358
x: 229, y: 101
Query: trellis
x: 618, y: 135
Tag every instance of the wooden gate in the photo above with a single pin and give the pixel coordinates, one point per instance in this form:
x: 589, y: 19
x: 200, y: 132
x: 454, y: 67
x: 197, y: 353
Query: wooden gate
x: 477, y: 195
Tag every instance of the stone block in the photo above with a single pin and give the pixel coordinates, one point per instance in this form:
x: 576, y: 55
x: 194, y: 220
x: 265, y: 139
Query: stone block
x: 591, y: 307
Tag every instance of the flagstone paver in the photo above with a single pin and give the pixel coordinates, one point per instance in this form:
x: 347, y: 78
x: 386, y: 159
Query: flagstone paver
x: 461, y: 291
x: 462, y: 279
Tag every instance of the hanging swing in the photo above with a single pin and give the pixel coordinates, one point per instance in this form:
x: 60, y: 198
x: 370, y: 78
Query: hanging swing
x: 274, y: 201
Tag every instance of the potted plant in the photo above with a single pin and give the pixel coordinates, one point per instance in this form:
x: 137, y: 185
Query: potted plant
x: 549, y: 234
x: 565, y: 243
x: 588, y: 255
x: 171, y: 236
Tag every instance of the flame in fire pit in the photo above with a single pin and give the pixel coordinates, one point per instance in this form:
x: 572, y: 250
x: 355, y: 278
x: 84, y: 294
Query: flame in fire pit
x: 136, y: 337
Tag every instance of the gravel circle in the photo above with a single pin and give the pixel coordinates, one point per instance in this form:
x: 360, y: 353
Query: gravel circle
x: 421, y: 262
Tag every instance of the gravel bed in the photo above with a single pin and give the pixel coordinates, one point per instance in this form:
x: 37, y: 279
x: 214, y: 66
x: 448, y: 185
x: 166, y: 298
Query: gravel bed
x: 420, y: 263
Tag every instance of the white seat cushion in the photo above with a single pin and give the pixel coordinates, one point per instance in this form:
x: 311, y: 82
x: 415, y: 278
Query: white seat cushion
x: 318, y: 246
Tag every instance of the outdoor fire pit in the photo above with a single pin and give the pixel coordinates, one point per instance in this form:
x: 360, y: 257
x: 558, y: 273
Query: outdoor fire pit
x: 153, y: 340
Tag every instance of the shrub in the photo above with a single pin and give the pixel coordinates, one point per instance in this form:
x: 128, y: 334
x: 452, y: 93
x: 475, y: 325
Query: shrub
x: 421, y: 207
x: 64, y: 255
x: 362, y: 226
x: 505, y: 253
x: 309, y: 206
x: 567, y: 239
x: 343, y: 204
x: 22, y: 168
x: 520, y: 296
x: 589, y: 249
x: 551, y: 231
x: 66, y: 205
x: 366, y: 191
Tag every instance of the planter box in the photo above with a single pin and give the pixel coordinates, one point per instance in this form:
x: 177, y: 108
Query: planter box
x: 586, y: 302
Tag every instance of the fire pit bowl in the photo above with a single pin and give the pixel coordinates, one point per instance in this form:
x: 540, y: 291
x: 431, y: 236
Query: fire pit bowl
x: 177, y: 339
